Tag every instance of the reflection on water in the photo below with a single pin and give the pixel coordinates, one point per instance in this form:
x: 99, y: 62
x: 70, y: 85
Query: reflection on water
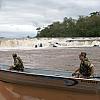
x: 17, y: 92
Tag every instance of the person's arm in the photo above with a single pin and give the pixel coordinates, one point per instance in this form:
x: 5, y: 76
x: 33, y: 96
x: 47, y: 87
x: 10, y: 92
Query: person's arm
x: 77, y: 70
x: 92, y: 69
x: 16, y: 62
x: 74, y: 74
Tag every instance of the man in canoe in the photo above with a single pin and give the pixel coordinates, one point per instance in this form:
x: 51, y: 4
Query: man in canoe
x: 18, y: 64
x: 86, y: 68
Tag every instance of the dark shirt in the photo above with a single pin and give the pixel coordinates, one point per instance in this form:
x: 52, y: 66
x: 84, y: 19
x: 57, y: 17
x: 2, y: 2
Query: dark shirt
x: 18, y: 64
x: 85, y: 68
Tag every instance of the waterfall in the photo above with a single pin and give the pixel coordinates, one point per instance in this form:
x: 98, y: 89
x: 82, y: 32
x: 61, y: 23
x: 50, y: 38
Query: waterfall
x: 49, y: 42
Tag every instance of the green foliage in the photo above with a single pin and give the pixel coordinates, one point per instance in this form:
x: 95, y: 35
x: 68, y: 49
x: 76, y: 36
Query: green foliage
x: 84, y: 26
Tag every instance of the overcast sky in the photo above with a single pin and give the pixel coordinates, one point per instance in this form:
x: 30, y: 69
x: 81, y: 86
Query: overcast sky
x: 22, y: 17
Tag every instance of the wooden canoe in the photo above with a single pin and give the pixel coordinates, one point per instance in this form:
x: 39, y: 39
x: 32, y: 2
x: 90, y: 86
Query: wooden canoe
x: 49, y: 78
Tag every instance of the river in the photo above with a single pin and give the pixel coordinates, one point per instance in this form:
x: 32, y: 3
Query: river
x: 49, y: 58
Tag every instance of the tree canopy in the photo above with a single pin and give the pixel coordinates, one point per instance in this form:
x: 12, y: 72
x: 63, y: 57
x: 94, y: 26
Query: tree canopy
x: 84, y: 26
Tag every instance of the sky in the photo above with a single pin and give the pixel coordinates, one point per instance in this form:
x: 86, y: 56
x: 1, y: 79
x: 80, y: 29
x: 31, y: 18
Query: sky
x: 20, y: 18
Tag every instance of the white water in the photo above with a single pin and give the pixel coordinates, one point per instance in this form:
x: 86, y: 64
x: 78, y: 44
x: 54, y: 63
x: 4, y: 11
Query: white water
x: 7, y: 44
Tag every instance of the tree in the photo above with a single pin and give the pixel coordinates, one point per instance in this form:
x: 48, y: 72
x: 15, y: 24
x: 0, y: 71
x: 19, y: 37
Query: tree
x: 84, y: 26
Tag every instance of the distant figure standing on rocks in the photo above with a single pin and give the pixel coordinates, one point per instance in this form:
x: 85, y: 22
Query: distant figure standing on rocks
x: 18, y: 64
x: 40, y: 44
x: 86, y: 69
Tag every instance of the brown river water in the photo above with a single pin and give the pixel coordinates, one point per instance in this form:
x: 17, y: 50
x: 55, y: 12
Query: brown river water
x: 53, y: 59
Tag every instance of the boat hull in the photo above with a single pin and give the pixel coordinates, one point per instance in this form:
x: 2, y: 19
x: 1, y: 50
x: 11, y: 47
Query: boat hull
x: 58, y: 82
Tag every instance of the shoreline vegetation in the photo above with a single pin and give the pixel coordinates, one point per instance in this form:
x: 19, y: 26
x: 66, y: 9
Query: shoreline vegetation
x: 84, y: 26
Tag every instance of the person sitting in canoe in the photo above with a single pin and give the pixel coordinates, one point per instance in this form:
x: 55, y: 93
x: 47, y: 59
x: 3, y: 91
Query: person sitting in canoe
x: 18, y: 64
x: 86, y: 68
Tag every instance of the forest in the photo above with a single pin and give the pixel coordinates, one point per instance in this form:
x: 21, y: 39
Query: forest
x: 83, y: 26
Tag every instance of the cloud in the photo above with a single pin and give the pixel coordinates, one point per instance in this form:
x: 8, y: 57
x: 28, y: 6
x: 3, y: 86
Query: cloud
x: 17, y: 28
x: 39, y: 13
